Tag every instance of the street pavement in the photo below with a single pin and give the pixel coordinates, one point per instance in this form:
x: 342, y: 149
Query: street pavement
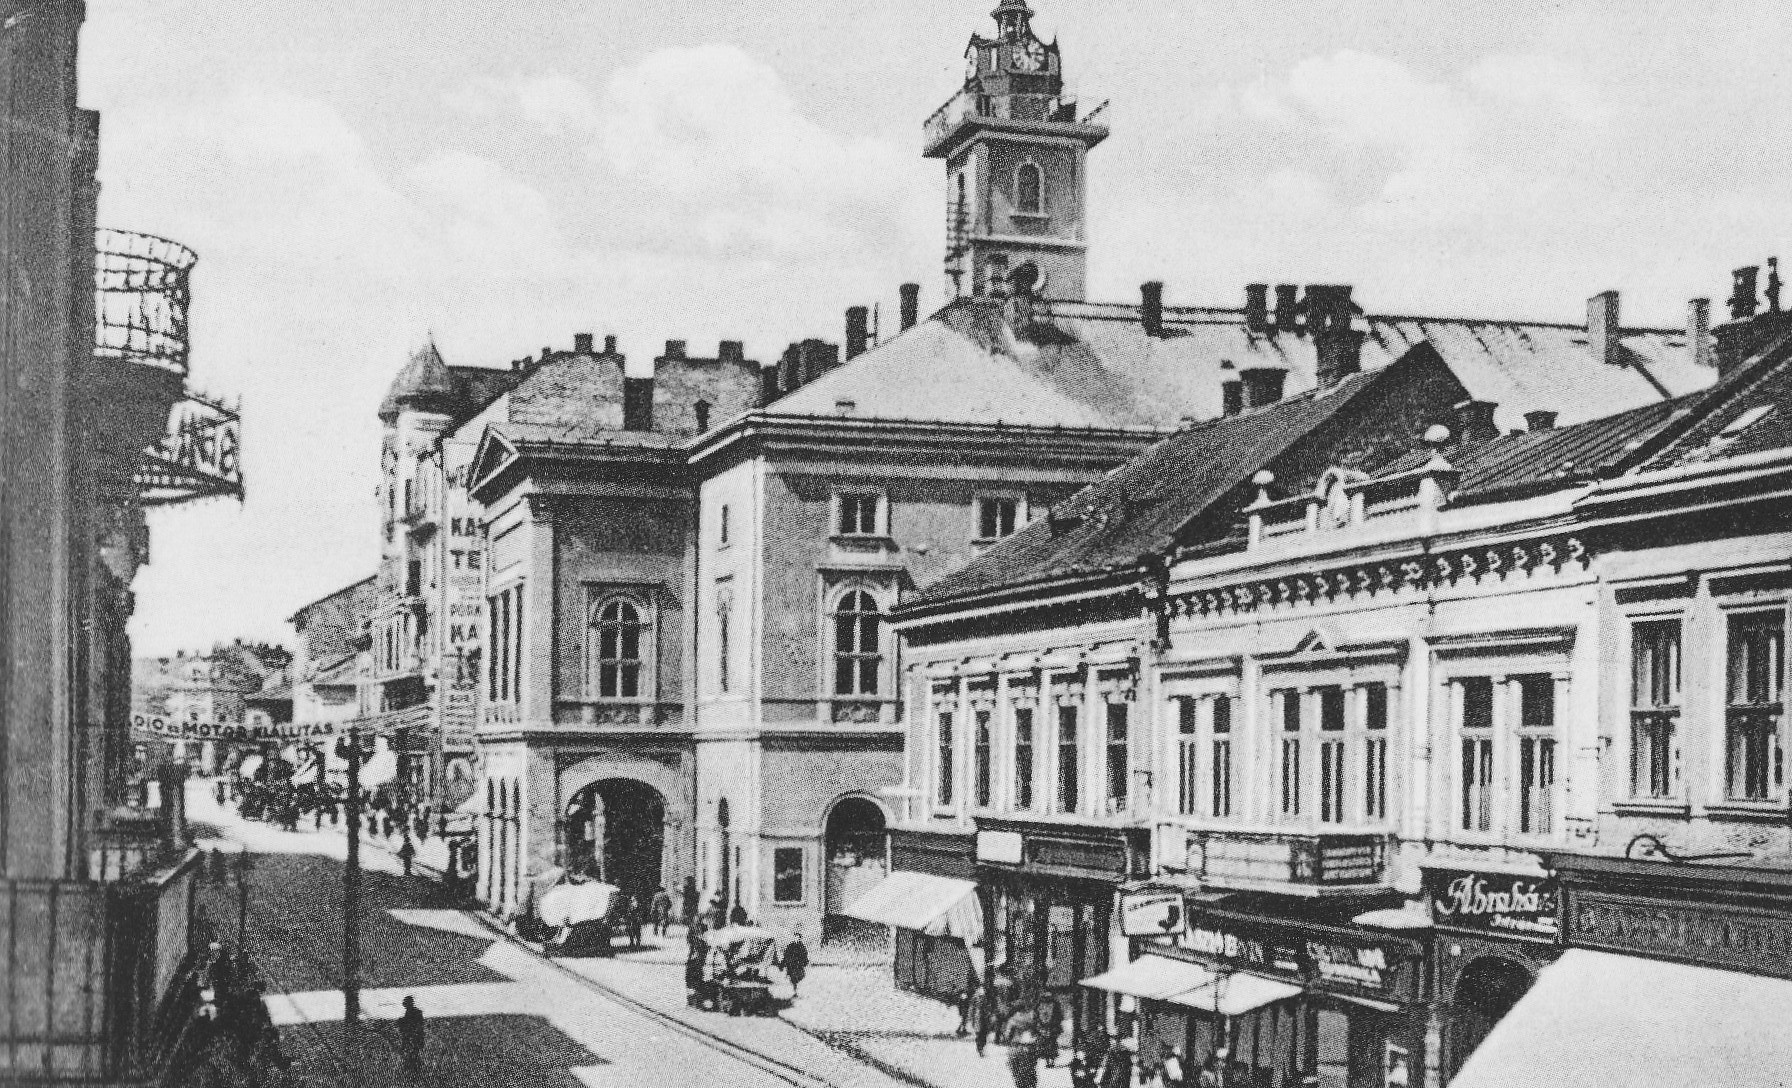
x: 500, y: 1013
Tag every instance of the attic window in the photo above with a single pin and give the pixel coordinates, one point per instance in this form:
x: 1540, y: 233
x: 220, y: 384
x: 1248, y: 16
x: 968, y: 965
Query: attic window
x: 1746, y: 420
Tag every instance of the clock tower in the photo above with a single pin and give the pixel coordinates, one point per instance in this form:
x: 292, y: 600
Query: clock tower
x: 1014, y: 146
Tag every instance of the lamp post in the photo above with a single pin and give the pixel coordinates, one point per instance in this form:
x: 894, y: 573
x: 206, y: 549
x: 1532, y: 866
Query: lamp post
x: 349, y: 748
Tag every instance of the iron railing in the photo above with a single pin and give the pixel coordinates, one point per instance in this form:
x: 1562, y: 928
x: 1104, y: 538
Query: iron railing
x: 141, y: 295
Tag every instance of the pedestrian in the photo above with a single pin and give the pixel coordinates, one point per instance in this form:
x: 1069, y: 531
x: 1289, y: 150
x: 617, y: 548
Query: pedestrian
x: 1023, y: 1051
x: 633, y: 920
x: 796, y: 962
x: 688, y: 900
x: 715, y: 969
x: 1116, y: 1065
x: 1050, y: 1019
x: 410, y: 1037
x: 716, y: 916
x: 738, y: 916
x: 407, y: 852
x: 661, y: 911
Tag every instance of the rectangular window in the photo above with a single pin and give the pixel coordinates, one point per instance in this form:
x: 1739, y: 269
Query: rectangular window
x: 943, y: 762
x: 857, y: 513
x: 787, y: 874
x: 723, y: 656
x: 1222, y: 756
x: 1476, y: 727
x: 996, y: 517
x: 1067, y: 759
x: 1188, y: 749
x: 1755, y: 694
x: 1023, y: 758
x: 1536, y: 753
x: 1331, y: 754
x: 982, y: 756
x: 722, y: 526
x: 1290, y: 776
x: 1119, y: 755
x: 504, y: 669
x: 1654, y: 706
x: 1375, y: 751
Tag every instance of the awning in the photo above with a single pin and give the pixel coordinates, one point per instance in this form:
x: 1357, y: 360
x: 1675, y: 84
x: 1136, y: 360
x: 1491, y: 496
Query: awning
x: 1599, y: 1020
x: 1236, y: 994
x: 249, y: 766
x: 935, y: 905
x: 1154, y: 977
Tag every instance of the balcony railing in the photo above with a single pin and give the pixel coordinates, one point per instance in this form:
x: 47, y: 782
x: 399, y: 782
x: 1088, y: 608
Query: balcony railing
x: 972, y: 104
x: 1289, y: 860
x: 141, y: 295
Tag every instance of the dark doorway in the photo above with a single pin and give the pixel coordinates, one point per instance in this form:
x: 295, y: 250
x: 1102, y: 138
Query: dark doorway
x: 616, y: 831
x: 854, y: 849
x: 1485, y: 992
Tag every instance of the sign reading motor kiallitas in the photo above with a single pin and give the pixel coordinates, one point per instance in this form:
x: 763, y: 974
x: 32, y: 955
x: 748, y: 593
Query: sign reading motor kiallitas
x: 175, y: 729
x: 1516, y: 906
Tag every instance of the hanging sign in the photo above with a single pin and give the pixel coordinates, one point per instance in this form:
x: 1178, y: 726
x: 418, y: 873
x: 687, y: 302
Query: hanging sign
x: 1150, y: 914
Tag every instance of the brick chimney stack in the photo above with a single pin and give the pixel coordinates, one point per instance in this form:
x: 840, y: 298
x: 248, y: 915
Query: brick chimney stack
x: 1256, y: 307
x: 581, y: 343
x: 858, y: 331
x: 731, y: 351
x: 911, y: 305
x: 1603, y: 332
x: 1151, y: 307
x: 1337, y: 344
x: 1474, y: 422
x: 1262, y: 385
x: 1287, y: 313
x: 1698, y: 331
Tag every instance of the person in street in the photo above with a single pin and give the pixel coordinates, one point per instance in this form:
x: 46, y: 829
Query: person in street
x: 1023, y: 1050
x: 1116, y: 1065
x: 633, y: 920
x: 661, y: 911
x: 715, y: 970
x: 796, y: 962
x: 407, y: 852
x: 410, y: 1037
x: 1050, y: 1020
x: 738, y: 916
x: 688, y: 902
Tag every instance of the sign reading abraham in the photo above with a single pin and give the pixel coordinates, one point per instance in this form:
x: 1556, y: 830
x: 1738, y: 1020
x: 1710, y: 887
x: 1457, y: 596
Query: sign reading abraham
x: 1515, y: 906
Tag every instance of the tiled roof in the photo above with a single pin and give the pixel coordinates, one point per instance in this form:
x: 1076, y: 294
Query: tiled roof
x: 1749, y: 412
x: 1141, y: 506
x: 1090, y: 364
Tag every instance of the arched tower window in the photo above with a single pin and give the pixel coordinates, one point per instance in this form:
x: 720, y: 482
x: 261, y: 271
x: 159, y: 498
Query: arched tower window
x: 618, y: 641
x: 1029, y: 189
x: 858, y: 626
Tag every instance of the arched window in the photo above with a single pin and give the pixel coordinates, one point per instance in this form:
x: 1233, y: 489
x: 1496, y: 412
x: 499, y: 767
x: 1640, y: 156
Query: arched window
x: 857, y: 630
x: 1029, y: 189
x: 618, y: 644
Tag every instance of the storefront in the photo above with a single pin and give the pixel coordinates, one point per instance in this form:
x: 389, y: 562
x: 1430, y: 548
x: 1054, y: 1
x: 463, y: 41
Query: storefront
x: 1050, y: 891
x: 1494, y: 932
x: 929, y: 900
x: 1673, y: 973
x: 1279, y: 1001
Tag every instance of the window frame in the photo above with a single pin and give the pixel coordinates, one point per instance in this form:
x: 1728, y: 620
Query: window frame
x: 858, y: 657
x: 1774, y: 769
x: 599, y: 599
x: 802, y: 875
x: 1654, y: 716
x: 1039, y: 202
x: 1504, y: 660
x: 978, y: 499
x: 504, y: 635
x: 880, y: 513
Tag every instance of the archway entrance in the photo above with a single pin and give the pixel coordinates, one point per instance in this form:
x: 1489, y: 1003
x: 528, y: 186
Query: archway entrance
x: 1485, y: 992
x: 616, y: 831
x: 854, y: 849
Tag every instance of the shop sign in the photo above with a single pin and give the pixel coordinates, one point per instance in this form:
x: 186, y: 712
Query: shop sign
x: 1328, y: 960
x: 1515, y: 906
x: 1000, y: 847
x: 1704, y: 933
x: 1151, y: 914
x: 174, y: 729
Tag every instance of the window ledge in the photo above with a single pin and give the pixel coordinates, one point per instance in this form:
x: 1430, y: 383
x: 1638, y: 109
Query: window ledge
x: 1652, y: 806
x: 1033, y: 216
x: 1746, y: 810
x: 864, y: 538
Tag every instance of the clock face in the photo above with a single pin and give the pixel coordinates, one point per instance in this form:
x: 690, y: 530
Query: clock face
x: 1029, y: 56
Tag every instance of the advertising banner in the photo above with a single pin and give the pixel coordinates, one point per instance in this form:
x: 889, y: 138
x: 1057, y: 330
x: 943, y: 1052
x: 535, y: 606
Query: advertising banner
x: 173, y: 729
x: 1512, y: 906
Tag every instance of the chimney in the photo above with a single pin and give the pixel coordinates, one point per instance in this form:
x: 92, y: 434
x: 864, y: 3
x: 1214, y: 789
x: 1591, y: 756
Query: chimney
x: 858, y: 331
x: 1540, y: 420
x: 1151, y: 307
x: 817, y: 358
x: 1474, y: 422
x: 790, y: 369
x: 581, y: 343
x: 911, y: 305
x: 731, y: 351
x: 768, y: 384
x: 1287, y: 308
x: 1698, y: 331
x: 701, y: 410
x: 1256, y: 307
x: 1743, y: 302
x: 637, y: 403
x: 1602, y: 328
x: 1337, y: 345
x: 674, y: 349
x: 609, y: 345
x: 1262, y: 385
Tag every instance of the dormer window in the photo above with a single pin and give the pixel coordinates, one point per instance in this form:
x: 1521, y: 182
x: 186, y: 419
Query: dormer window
x: 1029, y: 189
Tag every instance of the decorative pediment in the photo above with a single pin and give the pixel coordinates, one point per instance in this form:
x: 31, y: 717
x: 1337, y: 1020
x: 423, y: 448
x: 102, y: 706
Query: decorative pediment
x: 495, y: 452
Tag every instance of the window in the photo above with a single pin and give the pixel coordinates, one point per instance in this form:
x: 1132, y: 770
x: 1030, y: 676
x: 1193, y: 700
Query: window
x: 504, y: 669
x: 1331, y: 754
x: 1654, y: 706
x: 1222, y: 757
x: 943, y: 763
x: 997, y: 517
x: 722, y: 526
x: 1755, y: 690
x: 1188, y: 748
x: 1375, y: 751
x: 1536, y: 753
x: 724, y: 659
x: 857, y: 513
x: 857, y: 628
x: 787, y: 874
x: 1067, y: 759
x: 1476, y: 693
x: 1290, y: 753
x: 1023, y: 758
x: 981, y: 755
x: 619, y: 632
x: 1029, y: 189
x: 1119, y: 755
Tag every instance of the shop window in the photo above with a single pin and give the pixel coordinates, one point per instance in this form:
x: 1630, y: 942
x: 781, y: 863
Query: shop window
x: 982, y: 756
x: 616, y: 645
x: 1476, y: 728
x: 1654, y: 707
x: 1119, y: 755
x: 1023, y: 758
x: 857, y: 632
x: 856, y: 513
x: 1068, y: 750
x: 1755, y: 692
x: 943, y: 761
x: 1536, y: 753
x: 997, y: 516
x: 787, y: 874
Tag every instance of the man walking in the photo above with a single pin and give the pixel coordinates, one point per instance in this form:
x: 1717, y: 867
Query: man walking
x: 796, y: 962
x: 661, y: 911
x: 410, y: 1037
x: 407, y: 852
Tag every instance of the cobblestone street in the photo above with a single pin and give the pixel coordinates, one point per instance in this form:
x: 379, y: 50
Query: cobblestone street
x: 500, y: 1013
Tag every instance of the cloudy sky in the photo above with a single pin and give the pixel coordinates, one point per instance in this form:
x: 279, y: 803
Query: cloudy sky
x: 358, y: 177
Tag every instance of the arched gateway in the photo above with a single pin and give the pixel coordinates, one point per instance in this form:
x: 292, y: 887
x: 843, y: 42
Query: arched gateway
x: 616, y: 831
